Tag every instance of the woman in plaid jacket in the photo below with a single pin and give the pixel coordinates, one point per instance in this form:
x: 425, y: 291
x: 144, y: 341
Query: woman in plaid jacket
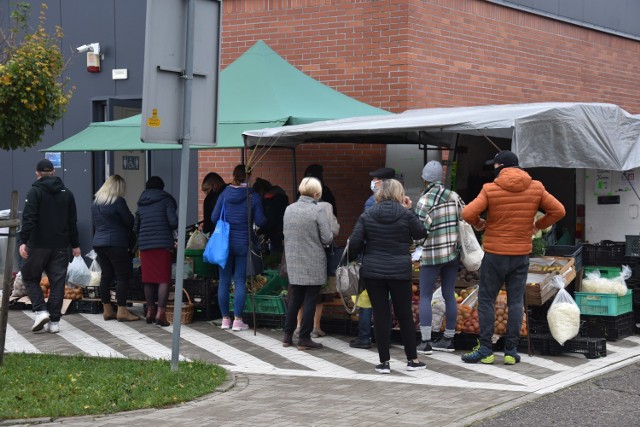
x: 440, y: 256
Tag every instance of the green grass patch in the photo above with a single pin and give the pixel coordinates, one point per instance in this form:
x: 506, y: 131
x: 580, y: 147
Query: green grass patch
x: 46, y: 385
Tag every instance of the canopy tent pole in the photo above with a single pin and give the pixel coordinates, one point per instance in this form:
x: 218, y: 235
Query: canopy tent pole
x: 294, y: 181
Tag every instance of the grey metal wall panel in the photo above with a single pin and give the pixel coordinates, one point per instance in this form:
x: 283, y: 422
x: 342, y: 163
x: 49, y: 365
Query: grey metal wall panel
x: 550, y: 6
x: 129, y: 44
x: 632, y: 17
x: 616, y: 16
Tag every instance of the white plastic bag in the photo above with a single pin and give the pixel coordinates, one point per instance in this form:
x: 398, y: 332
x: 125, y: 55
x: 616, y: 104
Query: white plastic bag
x: 78, y: 273
x: 198, y: 240
x: 564, y: 314
x: 593, y: 282
x: 19, y: 289
x: 471, y: 252
x: 94, y: 268
x: 438, y: 310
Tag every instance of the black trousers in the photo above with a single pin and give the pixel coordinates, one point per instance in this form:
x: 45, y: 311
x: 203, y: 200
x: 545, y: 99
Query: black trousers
x: 54, y: 262
x: 115, y: 263
x: 400, y: 291
x: 306, y: 297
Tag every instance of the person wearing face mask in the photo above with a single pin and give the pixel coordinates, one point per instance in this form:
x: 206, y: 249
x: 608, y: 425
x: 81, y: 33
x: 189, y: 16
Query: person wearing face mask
x: 510, y: 202
x: 365, y: 312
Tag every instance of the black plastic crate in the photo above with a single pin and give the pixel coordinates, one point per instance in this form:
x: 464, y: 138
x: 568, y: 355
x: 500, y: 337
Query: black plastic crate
x: 574, y: 252
x: 611, y: 328
x: 542, y: 344
x: 340, y: 326
x: 201, y: 291
x: 206, y: 312
x: 465, y: 341
x: 87, y: 306
x: 603, y: 252
x: 592, y: 348
x: 273, y: 321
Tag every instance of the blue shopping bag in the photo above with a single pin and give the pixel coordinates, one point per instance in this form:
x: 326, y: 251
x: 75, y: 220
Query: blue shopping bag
x: 217, y: 249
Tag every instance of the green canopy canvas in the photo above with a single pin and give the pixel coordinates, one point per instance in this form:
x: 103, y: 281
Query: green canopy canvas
x: 258, y: 90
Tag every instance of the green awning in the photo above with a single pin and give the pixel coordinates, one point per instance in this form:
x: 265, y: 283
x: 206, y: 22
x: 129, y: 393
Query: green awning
x: 258, y: 90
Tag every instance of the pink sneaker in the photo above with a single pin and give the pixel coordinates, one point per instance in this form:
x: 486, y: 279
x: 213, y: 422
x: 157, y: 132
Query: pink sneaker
x: 239, y: 325
x: 226, y: 323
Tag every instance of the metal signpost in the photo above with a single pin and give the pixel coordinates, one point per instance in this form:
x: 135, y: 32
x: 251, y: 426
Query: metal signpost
x: 180, y: 98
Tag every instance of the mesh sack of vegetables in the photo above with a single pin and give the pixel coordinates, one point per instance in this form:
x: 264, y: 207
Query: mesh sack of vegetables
x: 564, y: 314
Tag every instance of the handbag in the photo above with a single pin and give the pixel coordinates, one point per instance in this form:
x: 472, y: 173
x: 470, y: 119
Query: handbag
x: 217, y: 249
x: 348, y: 281
x: 471, y: 252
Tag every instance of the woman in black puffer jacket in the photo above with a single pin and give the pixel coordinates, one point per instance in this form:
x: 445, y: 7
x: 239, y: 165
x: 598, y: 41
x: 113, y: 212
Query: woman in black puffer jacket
x: 113, y: 223
x: 156, y: 220
x: 383, y: 234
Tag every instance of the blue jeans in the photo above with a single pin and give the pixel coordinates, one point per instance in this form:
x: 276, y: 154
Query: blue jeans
x: 428, y: 275
x: 236, y: 267
x: 496, y: 270
x: 54, y: 262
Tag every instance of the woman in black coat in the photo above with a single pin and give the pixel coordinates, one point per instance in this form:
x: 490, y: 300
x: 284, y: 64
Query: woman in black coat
x: 113, y: 224
x: 383, y: 234
x: 212, y: 186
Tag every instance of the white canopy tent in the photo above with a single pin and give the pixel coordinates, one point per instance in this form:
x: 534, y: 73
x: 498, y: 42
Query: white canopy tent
x: 563, y: 135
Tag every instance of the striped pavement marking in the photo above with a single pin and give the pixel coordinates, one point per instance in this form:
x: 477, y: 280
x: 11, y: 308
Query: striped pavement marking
x: 82, y: 340
x: 238, y: 358
x: 135, y: 339
x: 16, y: 343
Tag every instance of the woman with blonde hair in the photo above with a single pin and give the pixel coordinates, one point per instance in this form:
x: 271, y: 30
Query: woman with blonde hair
x: 306, y: 231
x: 113, y: 224
x: 383, y: 234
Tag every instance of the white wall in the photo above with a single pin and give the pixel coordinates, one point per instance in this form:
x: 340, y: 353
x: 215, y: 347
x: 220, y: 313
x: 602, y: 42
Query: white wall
x: 611, y: 222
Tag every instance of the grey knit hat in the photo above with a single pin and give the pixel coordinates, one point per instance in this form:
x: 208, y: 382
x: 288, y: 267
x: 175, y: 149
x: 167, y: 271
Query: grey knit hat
x: 432, y: 171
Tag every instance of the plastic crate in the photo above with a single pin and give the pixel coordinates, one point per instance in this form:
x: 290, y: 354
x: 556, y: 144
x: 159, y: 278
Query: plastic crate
x: 604, y: 252
x: 199, y: 267
x: 340, y: 326
x: 574, y: 252
x: 542, y: 344
x: 604, y: 304
x: 93, y: 306
x: 592, y: 348
x: 605, y: 272
x: 264, y: 304
x: 273, y: 321
x: 275, y: 284
x: 632, y: 246
x: 610, y: 327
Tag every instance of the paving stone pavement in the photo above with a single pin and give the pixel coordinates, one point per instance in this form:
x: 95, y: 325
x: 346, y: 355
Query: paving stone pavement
x: 271, y: 385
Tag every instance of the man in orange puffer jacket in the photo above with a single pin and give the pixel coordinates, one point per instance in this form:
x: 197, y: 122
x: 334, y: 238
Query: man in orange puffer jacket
x: 511, y: 202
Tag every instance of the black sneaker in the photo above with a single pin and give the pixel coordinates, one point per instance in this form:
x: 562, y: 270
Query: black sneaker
x: 444, y: 344
x: 356, y: 343
x: 383, y: 368
x: 415, y: 366
x: 425, y: 347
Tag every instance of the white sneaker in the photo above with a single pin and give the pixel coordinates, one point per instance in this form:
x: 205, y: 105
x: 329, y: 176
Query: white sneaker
x: 54, y: 327
x: 42, y: 318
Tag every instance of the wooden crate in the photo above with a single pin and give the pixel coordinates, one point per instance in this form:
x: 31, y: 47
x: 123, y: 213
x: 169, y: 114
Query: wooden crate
x: 539, y: 288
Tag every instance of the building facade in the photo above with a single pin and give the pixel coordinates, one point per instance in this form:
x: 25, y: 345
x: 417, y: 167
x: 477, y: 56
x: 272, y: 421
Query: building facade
x: 392, y: 54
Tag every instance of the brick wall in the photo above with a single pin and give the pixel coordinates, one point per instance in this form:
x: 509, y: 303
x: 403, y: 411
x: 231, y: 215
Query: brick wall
x: 406, y: 54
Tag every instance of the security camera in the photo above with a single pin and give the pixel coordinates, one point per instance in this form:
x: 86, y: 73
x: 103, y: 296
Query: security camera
x: 92, y: 47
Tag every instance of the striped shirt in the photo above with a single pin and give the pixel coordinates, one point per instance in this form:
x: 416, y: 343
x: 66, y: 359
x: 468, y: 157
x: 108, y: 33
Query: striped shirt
x: 441, y: 244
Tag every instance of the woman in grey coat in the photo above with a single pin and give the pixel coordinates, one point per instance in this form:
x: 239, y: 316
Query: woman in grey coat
x: 306, y: 231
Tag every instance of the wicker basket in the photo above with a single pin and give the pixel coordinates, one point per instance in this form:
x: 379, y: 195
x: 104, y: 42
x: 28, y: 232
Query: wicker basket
x: 187, y: 310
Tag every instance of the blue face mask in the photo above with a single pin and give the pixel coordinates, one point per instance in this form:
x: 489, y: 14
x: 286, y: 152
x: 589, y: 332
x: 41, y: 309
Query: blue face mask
x: 372, y: 185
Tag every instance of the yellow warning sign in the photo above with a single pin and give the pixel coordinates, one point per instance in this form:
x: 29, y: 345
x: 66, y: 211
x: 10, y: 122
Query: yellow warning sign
x: 153, y: 121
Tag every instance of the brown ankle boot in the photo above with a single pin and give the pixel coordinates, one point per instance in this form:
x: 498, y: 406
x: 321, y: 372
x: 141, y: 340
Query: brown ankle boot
x: 151, y: 313
x: 107, y: 312
x: 124, y: 315
x: 161, y: 317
